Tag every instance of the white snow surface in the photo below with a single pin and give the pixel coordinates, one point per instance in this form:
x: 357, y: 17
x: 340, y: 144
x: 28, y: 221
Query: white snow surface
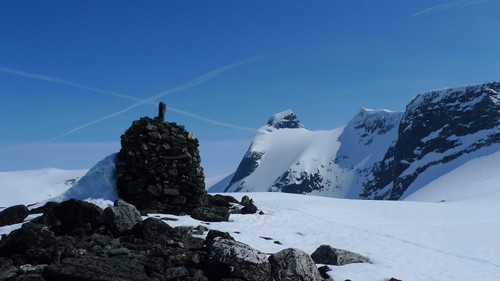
x: 462, y: 184
x: 99, y: 182
x: 218, y: 184
x: 284, y: 148
x: 454, y: 240
x: 210, y: 182
x: 28, y: 187
x: 411, y: 241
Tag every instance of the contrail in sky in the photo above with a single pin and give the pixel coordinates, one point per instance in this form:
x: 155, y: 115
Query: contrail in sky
x: 446, y: 6
x: 57, y: 80
x: 197, y: 81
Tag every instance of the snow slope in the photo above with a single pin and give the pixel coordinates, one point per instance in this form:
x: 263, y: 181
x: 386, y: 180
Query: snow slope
x: 28, y: 187
x: 411, y: 241
x: 283, y: 148
x: 335, y: 163
x: 476, y: 180
x: 218, y: 184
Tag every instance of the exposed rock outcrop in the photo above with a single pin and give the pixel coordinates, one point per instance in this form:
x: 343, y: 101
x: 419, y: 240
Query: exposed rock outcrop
x: 294, y: 265
x: 121, y: 217
x: 13, y: 214
x: 90, y: 248
x: 326, y: 254
x: 232, y: 259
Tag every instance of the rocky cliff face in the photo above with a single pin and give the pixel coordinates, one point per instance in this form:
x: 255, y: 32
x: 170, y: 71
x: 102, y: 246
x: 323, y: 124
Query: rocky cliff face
x: 379, y: 154
x: 441, y: 126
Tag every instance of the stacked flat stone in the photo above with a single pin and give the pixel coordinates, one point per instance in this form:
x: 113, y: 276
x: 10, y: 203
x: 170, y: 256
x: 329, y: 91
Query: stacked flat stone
x: 158, y: 168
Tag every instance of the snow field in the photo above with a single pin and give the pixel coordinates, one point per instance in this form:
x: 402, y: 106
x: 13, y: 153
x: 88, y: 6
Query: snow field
x: 28, y: 187
x: 412, y: 241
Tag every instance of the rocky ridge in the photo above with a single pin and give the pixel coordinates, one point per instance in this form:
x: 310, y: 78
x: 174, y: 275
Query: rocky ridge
x: 379, y: 154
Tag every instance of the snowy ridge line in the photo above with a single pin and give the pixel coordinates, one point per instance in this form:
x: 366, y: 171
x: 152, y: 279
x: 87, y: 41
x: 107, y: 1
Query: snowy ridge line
x: 378, y: 154
x: 443, y: 91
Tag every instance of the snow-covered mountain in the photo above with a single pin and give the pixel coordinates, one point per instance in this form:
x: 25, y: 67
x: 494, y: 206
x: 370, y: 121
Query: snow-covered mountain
x: 409, y: 240
x: 379, y: 154
x: 32, y: 186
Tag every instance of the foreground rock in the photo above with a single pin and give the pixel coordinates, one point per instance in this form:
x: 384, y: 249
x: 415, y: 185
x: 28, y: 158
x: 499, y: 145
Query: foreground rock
x: 13, y: 215
x: 326, y: 254
x: 96, y: 268
x: 121, y: 217
x: 76, y: 240
x: 233, y: 259
x: 294, y: 265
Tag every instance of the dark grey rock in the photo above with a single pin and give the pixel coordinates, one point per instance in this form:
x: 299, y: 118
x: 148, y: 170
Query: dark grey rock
x: 184, y: 235
x: 32, y: 269
x: 121, y: 217
x: 75, y: 214
x: 152, y: 229
x: 248, y: 206
x: 176, y: 272
x: 13, y: 215
x: 197, y: 275
x: 210, y: 214
x: 29, y: 277
x: 200, y: 229
x: 323, y: 271
x: 162, y: 108
x: 119, y: 252
x: 285, y: 120
x: 94, y: 268
x: 7, y: 269
x: 326, y: 254
x: 44, y: 208
x: 212, y: 234
x: 293, y: 265
x: 171, y: 191
x: 32, y: 240
x: 158, y: 168
x: 232, y: 259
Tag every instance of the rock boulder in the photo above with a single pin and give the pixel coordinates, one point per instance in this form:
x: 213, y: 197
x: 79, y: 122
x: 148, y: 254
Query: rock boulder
x: 326, y: 254
x: 232, y: 259
x: 294, y: 265
x: 13, y: 215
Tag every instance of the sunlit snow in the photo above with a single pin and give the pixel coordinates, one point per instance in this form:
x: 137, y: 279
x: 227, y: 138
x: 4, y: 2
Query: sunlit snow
x: 452, y: 236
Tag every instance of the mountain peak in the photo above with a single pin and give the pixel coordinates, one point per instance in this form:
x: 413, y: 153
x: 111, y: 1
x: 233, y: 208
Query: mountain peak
x: 285, y: 120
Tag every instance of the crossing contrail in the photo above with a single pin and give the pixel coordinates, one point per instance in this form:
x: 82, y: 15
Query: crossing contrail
x: 197, y: 81
x: 446, y: 6
x: 57, y: 80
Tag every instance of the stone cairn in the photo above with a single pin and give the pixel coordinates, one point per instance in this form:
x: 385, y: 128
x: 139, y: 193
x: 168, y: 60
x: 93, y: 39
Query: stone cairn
x: 158, y: 168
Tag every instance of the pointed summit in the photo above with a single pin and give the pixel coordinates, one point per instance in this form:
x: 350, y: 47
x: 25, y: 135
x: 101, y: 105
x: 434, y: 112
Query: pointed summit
x: 285, y: 120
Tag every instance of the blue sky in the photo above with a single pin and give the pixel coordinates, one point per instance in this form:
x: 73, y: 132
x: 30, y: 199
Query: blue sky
x: 67, y: 64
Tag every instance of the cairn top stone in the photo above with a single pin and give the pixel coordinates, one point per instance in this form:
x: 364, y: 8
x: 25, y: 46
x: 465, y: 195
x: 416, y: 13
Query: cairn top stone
x: 162, y: 108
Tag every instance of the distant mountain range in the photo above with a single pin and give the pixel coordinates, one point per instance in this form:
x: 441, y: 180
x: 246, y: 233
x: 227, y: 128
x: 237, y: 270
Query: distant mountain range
x: 379, y: 154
